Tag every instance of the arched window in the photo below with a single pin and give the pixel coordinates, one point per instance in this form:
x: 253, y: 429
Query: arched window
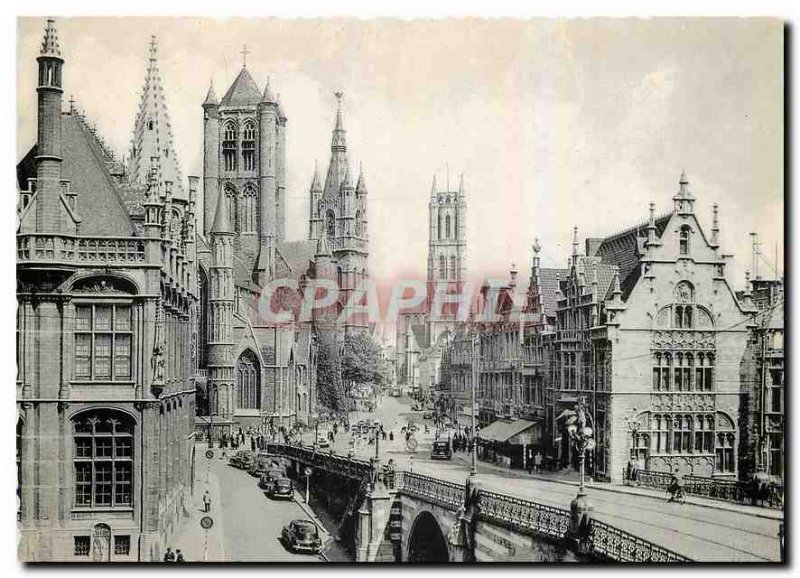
x: 684, y: 239
x: 103, y: 459
x: 230, y: 204
x: 359, y: 227
x: 442, y: 267
x: 229, y: 146
x: 330, y: 224
x: 339, y: 277
x: 453, y: 271
x: 249, y: 146
x: 447, y: 226
x: 248, y: 382
x: 249, y: 213
x: 439, y: 224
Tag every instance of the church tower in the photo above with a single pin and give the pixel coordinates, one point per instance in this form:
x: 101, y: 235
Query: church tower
x: 338, y: 211
x: 221, y: 307
x: 244, y: 162
x: 152, y: 133
x: 447, y: 248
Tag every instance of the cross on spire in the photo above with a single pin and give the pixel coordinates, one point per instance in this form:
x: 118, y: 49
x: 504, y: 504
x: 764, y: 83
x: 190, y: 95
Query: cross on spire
x: 244, y: 53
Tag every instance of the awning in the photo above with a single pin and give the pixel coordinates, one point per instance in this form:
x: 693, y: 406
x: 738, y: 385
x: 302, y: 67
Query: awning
x: 503, y: 430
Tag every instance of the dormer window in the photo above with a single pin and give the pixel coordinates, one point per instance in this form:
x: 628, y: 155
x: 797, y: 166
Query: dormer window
x: 684, y: 240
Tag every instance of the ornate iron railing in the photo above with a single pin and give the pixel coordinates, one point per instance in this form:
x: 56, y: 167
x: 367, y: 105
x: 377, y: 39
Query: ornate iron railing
x: 68, y: 248
x: 344, y: 466
x: 446, y: 494
x: 608, y: 542
x: 714, y: 488
x: 522, y: 515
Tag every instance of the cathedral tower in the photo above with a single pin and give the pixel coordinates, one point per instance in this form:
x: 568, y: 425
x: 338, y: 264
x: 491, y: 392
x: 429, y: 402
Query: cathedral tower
x: 244, y: 163
x: 447, y: 248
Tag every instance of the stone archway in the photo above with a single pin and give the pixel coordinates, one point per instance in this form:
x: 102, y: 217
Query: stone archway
x: 427, y: 542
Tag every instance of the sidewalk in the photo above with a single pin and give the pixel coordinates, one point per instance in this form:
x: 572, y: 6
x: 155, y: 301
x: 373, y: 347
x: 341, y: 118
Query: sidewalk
x: 190, y: 537
x: 571, y: 478
x: 332, y: 550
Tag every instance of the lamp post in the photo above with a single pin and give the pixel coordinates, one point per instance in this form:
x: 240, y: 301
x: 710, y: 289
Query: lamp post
x: 633, y: 427
x: 473, y: 441
x: 582, y: 435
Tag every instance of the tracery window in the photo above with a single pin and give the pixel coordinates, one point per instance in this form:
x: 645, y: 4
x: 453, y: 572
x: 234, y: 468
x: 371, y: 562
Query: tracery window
x: 249, y: 146
x: 330, y: 224
x: 103, y: 459
x: 249, y: 210
x: 685, y: 232
x: 442, y: 267
x: 248, y: 382
x: 229, y: 146
x: 447, y: 226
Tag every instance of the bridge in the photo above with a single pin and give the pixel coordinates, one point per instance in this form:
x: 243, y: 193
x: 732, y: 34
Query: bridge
x: 411, y: 517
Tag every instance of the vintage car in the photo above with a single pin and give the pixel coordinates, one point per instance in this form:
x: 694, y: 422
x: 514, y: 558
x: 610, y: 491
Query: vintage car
x: 441, y: 450
x: 322, y: 439
x: 258, y: 467
x: 301, y: 535
x: 269, y: 477
x: 281, y: 488
x: 238, y: 459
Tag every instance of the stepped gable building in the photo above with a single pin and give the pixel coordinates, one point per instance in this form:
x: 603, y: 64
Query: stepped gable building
x: 107, y: 296
x: 651, y: 335
x: 422, y: 334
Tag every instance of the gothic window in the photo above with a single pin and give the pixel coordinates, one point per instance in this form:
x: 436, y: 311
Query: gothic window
x: 704, y: 372
x: 447, y: 226
x: 103, y: 342
x: 661, y: 437
x: 662, y: 368
x: 229, y: 146
x: 703, y: 434
x: 248, y: 382
x: 453, y: 271
x: 725, y: 452
x: 339, y: 277
x: 681, y: 434
x: 230, y: 204
x: 249, y: 146
x: 358, y: 224
x: 249, y: 212
x: 442, y: 267
x: 685, y: 232
x: 775, y: 390
x: 103, y: 459
x: 330, y: 224
x: 439, y: 224
x: 202, y: 330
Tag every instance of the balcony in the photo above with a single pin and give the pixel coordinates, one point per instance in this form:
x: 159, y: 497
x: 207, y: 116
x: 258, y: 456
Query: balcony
x: 35, y: 248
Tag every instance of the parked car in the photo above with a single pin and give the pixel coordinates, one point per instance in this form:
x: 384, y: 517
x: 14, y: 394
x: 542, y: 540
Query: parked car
x: 322, y: 440
x: 281, y: 488
x: 441, y: 450
x: 238, y: 459
x: 269, y: 478
x: 301, y: 535
x: 258, y: 467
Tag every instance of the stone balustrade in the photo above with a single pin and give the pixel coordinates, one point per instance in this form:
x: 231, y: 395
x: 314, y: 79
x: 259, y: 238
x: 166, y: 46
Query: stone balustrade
x: 79, y: 250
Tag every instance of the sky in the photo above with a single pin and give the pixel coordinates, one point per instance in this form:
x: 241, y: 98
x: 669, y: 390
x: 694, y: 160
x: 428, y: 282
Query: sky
x: 554, y: 123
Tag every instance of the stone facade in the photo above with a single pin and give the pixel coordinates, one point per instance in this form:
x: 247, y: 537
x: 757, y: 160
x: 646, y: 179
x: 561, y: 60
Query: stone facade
x: 106, y: 335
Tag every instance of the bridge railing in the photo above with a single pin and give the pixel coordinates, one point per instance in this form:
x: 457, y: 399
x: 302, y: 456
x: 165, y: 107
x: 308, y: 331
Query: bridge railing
x: 344, y: 466
x: 714, y: 488
x: 446, y: 494
x: 522, y: 515
x: 614, y: 544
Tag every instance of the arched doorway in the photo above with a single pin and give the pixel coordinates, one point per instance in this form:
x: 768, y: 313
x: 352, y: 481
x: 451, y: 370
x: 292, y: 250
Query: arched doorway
x: 427, y: 542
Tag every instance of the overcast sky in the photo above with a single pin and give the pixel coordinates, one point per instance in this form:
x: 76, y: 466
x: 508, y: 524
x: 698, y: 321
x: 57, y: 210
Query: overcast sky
x: 554, y: 123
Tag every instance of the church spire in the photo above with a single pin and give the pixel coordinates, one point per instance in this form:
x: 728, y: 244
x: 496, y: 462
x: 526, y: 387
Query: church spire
x: 268, y: 96
x: 50, y: 46
x: 361, y: 184
x: 433, y: 187
x: 684, y: 200
x: 315, y: 184
x: 338, y: 165
x: 152, y: 129
x: 211, y: 96
x: 338, y: 142
x: 222, y: 222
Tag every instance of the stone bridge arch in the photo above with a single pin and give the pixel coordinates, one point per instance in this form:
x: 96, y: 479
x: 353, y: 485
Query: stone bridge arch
x: 427, y: 540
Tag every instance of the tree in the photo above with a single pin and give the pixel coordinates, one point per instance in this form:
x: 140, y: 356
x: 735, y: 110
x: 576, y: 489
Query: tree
x: 361, y: 360
x: 330, y: 393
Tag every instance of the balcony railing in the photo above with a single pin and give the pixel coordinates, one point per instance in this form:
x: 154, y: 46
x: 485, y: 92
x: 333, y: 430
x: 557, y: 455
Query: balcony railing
x: 445, y: 494
x: 608, y: 542
x: 522, y: 515
x: 73, y: 249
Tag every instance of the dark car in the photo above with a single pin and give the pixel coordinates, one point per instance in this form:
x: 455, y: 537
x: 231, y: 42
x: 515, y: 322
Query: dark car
x: 441, y: 451
x: 269, y: 477
x: 241, y: 458
x: 301, y: 535
x: 281, y: 488
x: 257, y: 468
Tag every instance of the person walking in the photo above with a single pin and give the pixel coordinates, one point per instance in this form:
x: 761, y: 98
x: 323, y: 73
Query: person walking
x: 537, y: 462
x: 169, y: 556
x: 179, y: 556
x: 252, y: 444
x: 206, y: 502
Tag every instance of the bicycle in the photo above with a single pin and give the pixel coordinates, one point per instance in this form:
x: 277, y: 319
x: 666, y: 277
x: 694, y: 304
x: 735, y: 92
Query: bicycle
x: 678, y: 495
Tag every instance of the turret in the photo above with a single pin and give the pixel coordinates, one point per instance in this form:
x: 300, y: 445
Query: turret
x: 268, y: 145
x: 683, y: 199
x: 48, y: 148
x: 210, y: 157
x: 315, y: 218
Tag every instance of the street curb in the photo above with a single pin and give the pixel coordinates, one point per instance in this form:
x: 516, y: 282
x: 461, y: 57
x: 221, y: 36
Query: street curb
x: 615, y: 488
x: 311, y: 514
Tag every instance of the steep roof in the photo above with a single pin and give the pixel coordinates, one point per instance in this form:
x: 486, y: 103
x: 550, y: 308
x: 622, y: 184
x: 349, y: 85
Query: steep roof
x: 243, y: 92
x: 622, y: 249
x: 86, y: 164
x: 548, y: 279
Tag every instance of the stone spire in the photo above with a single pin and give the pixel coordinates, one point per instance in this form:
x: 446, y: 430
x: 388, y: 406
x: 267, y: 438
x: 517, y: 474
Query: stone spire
x: 361, y: 184
x: 715, y: 227
x: 433, y: 187
x: 222, y: 222
x: 211, y: 96
x: 684, y: 200
x: 315, y: 181
x: 50, y: 46
x: 461, y: 190
x: 575, y: 245
x: 338, y: 164
x: 268, y: 97
x: 152, y: 130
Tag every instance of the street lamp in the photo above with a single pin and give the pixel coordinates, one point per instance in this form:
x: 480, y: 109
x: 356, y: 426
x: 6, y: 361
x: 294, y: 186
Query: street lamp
x: 582, y: 435
x: 473, y: 441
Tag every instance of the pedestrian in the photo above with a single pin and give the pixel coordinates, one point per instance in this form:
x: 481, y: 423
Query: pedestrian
x: 391, y: 436
x: 179, y: 556
x: 252, y: 444
x: 206, y: 502
x: 169, y: 556
x: 537, y: 462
